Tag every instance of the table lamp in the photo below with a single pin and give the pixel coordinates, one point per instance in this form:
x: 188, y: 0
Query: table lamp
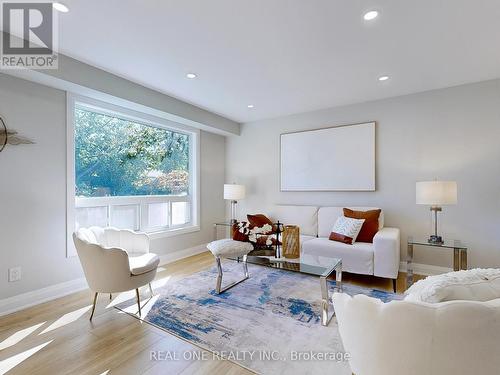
x: 234, y: 193
x: 436, y: 194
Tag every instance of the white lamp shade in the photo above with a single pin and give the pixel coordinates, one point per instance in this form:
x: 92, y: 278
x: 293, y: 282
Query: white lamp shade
x: 234, y: 192
x: 436, y: 193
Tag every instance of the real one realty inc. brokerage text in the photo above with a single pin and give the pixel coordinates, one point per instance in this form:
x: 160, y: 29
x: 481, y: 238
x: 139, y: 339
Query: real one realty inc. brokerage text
x: 244, y: 355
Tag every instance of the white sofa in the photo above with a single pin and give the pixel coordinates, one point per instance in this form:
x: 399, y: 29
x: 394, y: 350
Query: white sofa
x: 380, y: 258
x: 415, y: 338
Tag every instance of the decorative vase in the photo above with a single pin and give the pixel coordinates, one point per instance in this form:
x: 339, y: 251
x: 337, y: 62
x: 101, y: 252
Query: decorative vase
x: 291, y: 242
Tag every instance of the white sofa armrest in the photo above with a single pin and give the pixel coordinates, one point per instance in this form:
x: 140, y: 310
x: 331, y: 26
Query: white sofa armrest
x: 387, y: 249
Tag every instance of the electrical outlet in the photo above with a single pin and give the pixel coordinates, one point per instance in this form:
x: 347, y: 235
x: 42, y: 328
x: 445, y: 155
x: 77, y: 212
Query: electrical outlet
x: 14, y: 274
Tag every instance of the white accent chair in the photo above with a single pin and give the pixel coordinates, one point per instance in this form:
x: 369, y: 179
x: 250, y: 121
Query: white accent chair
x: 115, y: 260
x: 228, y: 248
x: 410, y: 338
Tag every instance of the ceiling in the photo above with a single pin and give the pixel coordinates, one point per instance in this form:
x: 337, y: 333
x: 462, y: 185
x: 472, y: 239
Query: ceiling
x: 285, y: 56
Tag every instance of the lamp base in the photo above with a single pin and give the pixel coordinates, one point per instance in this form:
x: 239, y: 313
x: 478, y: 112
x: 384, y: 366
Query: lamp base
x: 435, y: 240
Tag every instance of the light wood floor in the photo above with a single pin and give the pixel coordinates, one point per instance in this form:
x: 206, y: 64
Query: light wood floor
x: 57, y: 337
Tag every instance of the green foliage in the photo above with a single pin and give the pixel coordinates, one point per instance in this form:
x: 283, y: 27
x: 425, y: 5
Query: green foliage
x: 116, y: 157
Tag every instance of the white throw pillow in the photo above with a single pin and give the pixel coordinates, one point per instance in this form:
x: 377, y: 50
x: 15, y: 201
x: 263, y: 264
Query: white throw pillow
x: 346, y: 229
x: 473, y: 285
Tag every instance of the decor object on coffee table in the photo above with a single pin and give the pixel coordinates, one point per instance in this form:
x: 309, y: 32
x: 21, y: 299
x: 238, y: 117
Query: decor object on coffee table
x: 278, y: 230
x: 234, y: 193
x: 436, y: 194
x: 291, y: 242
x: 229, y: 248
x: 459, y: 254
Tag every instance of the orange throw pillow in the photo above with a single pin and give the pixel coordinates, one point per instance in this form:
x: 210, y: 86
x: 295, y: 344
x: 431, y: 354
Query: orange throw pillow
x: 370, y: 226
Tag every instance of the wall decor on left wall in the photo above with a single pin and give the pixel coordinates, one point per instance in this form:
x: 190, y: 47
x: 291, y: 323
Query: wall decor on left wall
x: 10, y: 136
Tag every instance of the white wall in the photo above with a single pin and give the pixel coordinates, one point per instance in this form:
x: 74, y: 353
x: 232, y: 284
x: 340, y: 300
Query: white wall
x: 452, y: 134
x: 33, y: 190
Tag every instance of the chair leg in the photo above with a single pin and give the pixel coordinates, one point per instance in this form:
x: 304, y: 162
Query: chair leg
x: 219, y: 276
x: 245, y: 266
x: 110, y: 296
x: 394, y: 285
x: 151, y: 290
x: 93, y: 306
x: 138, y: 300
x: 218, y: 286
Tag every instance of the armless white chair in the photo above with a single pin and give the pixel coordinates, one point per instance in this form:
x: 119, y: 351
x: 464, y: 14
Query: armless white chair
x: 115, y: 260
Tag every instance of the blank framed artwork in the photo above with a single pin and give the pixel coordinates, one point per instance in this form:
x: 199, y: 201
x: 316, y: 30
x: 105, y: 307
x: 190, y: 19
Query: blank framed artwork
x: 340, y: 158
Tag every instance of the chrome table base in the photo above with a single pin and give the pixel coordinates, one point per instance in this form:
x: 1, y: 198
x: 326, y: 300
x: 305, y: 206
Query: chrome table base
x: 218, y: 287
x: 326, y: 301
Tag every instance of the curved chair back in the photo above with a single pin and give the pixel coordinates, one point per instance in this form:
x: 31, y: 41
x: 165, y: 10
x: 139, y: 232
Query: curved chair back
x: 408, y: 338
x: 105, y: 268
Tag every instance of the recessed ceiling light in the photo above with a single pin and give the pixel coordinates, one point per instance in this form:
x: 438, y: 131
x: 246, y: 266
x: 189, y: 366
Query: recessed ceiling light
x: 383, y: 78
x: 60, y: 7
x: 250, y: 106
x: 191, y: 75
x: 371, y: 15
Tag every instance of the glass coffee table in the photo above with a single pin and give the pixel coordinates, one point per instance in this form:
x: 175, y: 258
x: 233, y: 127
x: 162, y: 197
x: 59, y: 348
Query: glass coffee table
x: 323, y: 267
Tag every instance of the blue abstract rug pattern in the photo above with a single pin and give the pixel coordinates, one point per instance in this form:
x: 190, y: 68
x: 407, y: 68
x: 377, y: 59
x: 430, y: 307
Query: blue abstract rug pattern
x: 263, y: 324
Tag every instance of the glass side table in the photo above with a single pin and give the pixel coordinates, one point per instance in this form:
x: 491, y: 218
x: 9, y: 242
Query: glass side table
x: 459, y: 254
x: 226, y: 224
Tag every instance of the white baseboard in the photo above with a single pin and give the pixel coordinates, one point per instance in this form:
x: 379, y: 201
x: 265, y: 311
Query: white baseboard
x: 425, y: 269
x: 181, y: 254
x: 36, y: 297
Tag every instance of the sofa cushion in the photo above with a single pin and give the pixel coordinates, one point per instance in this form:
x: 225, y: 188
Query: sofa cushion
x: 346, y: 230
x: 259, y: 220
x: 241, y: 231
x: 259, y: 236
x: 328, y: 215
x: 303, y: 216
x: 473, y: 285
x: 356, y: 258
x: 370, y: 226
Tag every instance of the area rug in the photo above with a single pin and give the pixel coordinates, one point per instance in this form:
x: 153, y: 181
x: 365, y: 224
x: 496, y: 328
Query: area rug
x: 270, y: 323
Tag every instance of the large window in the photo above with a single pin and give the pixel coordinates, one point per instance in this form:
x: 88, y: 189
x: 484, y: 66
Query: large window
x: 131, y: 172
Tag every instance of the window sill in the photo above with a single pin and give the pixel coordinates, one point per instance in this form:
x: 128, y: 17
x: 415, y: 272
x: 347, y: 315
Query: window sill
x: 173, y: 232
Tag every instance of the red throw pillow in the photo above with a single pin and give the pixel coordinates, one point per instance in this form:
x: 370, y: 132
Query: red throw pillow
x: 370, y: 226
x: 340, y: 238
x: 241, y: 231
x: 259, y: 220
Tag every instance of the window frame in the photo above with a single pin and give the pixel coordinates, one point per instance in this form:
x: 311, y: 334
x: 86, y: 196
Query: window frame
x: 73, y: 202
